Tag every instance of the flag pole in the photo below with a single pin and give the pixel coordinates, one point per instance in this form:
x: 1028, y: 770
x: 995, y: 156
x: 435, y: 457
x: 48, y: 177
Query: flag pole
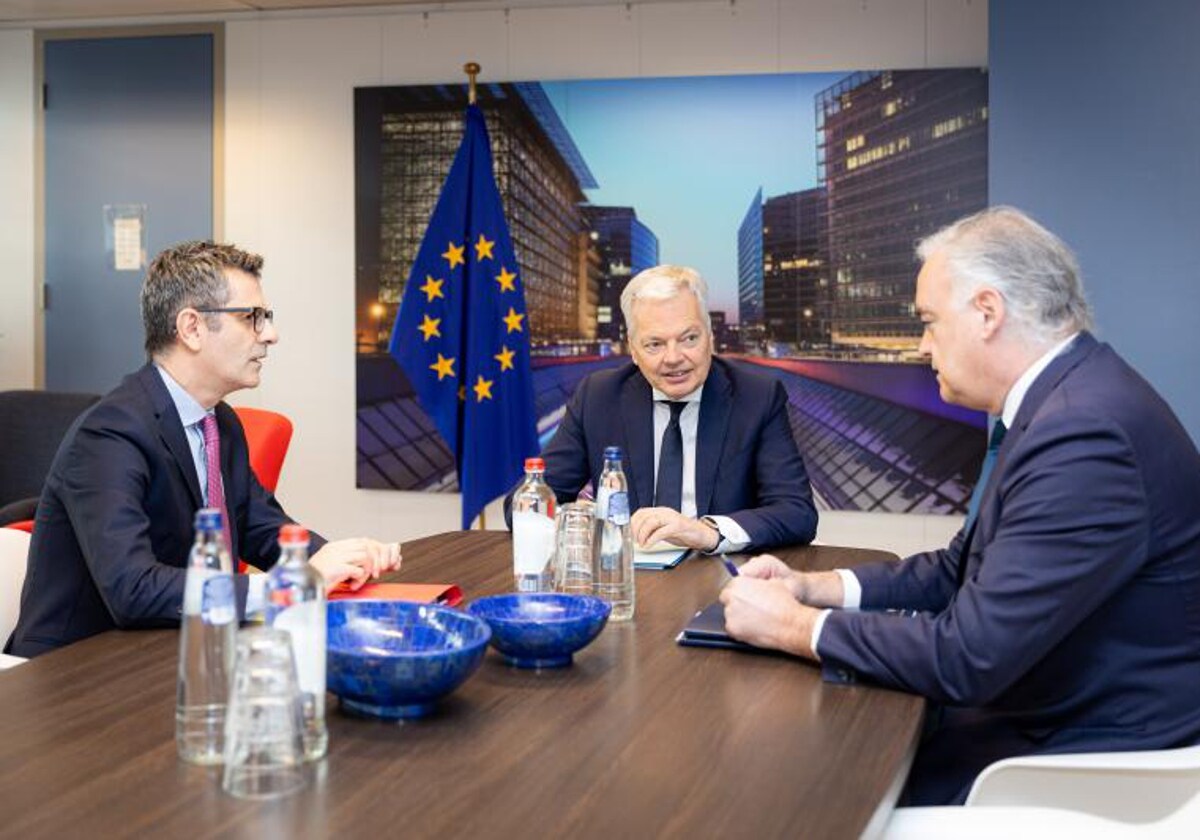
x: 472, y: 70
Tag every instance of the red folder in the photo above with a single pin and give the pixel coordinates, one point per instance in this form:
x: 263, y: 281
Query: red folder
x: 446, y: 594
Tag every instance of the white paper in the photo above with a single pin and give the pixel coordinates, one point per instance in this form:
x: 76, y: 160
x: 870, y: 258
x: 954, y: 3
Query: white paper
x: 127, y: 244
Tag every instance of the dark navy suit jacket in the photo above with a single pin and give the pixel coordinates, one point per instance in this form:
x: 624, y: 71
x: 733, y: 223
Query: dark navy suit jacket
x: 747, y: 465
x: 1069, y: 620
x: 114, y: 523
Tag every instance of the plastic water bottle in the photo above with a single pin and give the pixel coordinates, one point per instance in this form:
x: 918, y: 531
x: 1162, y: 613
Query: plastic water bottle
x: 206, y: 644
x: 533, y: 530
x: 613, y: 578
x: 296, y: 603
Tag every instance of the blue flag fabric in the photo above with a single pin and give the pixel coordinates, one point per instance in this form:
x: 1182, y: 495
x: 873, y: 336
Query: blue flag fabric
x: 462, y: 333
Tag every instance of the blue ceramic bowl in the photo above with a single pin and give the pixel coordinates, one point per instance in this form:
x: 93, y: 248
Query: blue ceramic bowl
x: 393, y: 659
x: 541, y: 630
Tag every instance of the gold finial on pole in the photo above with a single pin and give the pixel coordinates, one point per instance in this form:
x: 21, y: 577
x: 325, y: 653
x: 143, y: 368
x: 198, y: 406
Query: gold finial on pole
x: 472, y: 70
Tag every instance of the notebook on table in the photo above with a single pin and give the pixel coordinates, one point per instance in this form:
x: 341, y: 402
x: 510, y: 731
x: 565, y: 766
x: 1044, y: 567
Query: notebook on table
x: 707, y: 629
x: 660, y: 555
x: 445, y: 594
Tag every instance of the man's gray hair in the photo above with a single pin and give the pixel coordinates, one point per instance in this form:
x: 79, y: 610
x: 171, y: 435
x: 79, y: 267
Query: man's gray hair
x: 1032, y: 269
x: 663, y: 282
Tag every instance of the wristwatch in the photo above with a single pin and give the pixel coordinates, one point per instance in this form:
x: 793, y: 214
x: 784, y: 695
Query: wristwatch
x: 712, y: 523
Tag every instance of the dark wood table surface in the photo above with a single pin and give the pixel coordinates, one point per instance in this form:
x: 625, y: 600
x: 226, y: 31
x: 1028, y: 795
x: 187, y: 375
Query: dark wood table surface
x: 639, y: 738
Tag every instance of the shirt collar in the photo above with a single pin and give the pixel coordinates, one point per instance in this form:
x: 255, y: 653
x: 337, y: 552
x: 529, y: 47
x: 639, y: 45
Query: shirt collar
x: 190, y: 411
x: 1016, y: 394
x: 659, y: 396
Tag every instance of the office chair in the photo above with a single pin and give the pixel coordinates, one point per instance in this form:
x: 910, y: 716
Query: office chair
x: 267, y: 436
x: 32, y: 425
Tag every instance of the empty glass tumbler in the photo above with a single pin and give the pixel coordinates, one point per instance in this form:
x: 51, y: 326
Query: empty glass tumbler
x: 264, y: 749
x: 575, y: 529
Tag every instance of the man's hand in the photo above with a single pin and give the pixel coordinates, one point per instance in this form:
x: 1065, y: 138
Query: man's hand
x: 817, y: 589
x: 355, y: 560
x: 662, y: 524
x: 764, y: 613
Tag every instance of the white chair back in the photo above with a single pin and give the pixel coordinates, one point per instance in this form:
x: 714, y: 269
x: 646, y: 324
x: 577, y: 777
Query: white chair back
x: 14, y: 552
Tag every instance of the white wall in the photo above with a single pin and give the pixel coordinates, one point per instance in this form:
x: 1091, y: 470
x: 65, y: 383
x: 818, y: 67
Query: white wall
x: 289, y: 186
x: 16, y: 210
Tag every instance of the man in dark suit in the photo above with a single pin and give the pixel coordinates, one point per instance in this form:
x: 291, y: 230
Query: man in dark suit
x: 1064, y: 616
x: 709, y: 453
x: 114, y: 523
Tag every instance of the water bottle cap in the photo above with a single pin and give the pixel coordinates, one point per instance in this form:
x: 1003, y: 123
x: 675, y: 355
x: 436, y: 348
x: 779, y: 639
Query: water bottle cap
x: 612, y: 453
x: 208, y: 519
x: 535, y: 464
x: 293, y: 534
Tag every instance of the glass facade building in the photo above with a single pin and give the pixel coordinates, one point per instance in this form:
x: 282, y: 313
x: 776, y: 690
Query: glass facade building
x: 750, y: 268
x: 796, y: 288
x: 408, y: 137
x: 900, y: 154
x: 625, y: 246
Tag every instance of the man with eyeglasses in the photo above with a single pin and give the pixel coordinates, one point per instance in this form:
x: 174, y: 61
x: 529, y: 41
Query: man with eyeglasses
x: 709, y: 453
x: 114, y: 523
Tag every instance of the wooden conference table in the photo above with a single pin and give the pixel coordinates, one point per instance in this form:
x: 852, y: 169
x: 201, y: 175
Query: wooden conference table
x: 639, y: 738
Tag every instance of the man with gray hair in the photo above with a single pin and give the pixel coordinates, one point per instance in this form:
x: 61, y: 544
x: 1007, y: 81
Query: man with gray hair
x: 114, y: 522
x: 1063, y: 616
x: 708, y: 449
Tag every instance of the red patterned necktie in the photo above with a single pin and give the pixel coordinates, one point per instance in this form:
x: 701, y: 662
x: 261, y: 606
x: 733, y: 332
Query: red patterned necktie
x: 212, y: 461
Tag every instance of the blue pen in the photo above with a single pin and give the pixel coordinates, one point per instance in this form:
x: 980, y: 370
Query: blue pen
x: 729, y: 567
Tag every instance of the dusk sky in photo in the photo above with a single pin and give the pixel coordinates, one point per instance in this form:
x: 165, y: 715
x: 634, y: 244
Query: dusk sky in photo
x: 688, y: 154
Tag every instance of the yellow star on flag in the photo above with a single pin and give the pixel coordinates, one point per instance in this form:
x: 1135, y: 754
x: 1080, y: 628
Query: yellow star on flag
x: 483, y: 249
x: 505, y: 358
x: 432, y: 288
x: 505, y: 278
x: 482, y: 389
x: 512, y: 320
x: 454, y: 254
x: 443, y: 366
x: 430, y: 327
x: 462, y: 393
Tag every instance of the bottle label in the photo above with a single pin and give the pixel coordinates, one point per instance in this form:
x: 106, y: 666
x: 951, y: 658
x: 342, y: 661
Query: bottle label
x: 217, y: 599
x: 306, y: 624
x: 618, y: 508
x: 533, y: 542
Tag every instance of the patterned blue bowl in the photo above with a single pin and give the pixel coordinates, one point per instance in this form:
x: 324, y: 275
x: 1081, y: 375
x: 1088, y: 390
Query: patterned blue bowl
x: 393, y: 659
x: 541, y: 630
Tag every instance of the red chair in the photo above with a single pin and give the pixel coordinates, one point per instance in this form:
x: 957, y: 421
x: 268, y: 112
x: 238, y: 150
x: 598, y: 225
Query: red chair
x: 267, y: 436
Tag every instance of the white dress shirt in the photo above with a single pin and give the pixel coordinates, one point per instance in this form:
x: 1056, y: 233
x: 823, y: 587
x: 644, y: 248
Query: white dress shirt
x: 733, y: 536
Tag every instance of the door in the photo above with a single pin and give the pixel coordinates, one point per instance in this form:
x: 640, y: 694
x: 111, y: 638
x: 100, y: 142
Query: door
x: 128, y: 133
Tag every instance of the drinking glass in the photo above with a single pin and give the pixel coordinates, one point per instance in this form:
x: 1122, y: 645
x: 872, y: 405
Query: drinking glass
x: 574, y: 536
x: 264, y: 751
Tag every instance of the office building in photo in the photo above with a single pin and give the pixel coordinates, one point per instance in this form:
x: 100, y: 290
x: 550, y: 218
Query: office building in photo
x: 625, y: 246
x: 900, y: 154
x: 795, y: 269
x: 406, y: 141
x: 750, y: 269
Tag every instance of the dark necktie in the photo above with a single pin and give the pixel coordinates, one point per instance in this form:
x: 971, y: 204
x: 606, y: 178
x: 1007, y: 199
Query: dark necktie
x: 668, y: 489
x: 989, y: 461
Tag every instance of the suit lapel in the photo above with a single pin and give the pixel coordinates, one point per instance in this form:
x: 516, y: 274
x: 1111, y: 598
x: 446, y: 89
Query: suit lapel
x: 170, y: 429
x: 1041, y: 388
x: 637, y: 417
x: 716, y: 405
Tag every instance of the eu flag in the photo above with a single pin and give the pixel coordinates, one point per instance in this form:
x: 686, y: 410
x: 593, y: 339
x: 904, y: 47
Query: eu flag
x: 462, y: 333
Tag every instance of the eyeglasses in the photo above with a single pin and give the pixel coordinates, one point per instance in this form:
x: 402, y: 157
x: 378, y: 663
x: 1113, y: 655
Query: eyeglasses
x: 256, y: 315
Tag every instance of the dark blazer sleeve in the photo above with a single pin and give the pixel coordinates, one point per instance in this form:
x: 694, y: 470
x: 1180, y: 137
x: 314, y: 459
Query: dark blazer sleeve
x: 782, y: 512
x: 258, y: 514
x: 1054, y: 558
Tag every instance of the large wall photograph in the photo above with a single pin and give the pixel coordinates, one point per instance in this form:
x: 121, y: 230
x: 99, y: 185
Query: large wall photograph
x: 799, y: 197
